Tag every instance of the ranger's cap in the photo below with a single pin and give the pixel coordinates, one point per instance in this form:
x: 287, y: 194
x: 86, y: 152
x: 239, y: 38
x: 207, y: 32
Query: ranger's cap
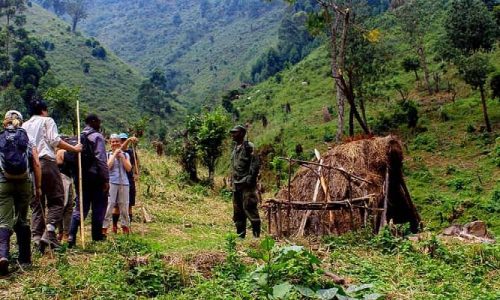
x: 14, y: 114
x: 238, y: 128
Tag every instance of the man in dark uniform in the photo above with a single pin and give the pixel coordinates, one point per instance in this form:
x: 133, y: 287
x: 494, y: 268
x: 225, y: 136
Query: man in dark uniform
x: 245, y: 169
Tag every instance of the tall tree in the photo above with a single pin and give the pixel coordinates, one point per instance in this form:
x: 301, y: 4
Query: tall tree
x: 469, y: 26
x: 77, y: 10
x: 11, y: 10
x: 474, y: 71
x: 337, y: 18
x: 415, y: 17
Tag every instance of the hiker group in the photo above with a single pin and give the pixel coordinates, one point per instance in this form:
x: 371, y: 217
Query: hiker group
x: 39, y: 170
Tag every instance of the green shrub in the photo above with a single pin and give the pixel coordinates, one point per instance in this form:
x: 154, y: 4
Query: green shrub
x: 425, y: 142
x: 459, y: 184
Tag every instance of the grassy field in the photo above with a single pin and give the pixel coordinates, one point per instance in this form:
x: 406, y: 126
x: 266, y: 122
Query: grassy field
x: 184, y: 254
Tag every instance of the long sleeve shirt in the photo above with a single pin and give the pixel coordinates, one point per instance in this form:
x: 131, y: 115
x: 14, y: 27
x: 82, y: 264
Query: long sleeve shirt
x: 245, y: 164
x: 43, y: 132
x: 100, y: 168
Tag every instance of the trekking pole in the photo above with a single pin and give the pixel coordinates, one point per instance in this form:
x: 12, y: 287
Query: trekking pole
x: 80, y: 179
x: 137, y: 189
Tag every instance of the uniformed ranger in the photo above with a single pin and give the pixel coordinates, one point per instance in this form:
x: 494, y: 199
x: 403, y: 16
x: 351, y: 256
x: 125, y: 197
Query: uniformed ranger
x: 245, y: 169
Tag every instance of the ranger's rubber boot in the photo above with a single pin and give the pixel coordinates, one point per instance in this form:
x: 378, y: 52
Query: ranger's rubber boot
x: 23, y: 234
x: 4, y: 250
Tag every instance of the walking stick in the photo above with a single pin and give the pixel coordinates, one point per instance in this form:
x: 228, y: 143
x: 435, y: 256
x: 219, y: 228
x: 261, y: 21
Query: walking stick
x: 80, y: 179
x: 145, y: 215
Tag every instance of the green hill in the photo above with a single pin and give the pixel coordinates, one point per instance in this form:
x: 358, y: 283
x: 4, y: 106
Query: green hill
x: 110, y: 86
x: 451, y: 163
x: 204, y: 46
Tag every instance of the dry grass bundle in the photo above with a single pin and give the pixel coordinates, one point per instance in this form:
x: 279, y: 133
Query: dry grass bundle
x: 368, y: 159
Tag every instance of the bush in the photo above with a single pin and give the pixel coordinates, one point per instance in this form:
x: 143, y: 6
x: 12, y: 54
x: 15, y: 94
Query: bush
x: 99, y: 52
x: 425, y: 142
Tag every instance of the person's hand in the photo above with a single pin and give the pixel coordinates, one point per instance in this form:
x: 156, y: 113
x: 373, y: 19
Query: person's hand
x: 78, y: 148
x: 106, y: 187
x: 118, y: 153
x: 134, y: 140
x: 38, y: 193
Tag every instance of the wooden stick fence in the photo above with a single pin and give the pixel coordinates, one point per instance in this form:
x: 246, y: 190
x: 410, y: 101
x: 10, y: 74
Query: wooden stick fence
x: 275, y: 207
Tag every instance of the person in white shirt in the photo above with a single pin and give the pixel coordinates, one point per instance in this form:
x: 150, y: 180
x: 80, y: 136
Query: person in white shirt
x: 43, y: 131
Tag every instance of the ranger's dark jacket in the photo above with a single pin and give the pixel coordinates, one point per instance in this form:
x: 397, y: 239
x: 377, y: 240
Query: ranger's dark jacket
x: 244, y: 165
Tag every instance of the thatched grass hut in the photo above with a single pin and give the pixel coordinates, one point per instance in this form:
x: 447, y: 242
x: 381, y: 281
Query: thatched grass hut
x: 355, y: 175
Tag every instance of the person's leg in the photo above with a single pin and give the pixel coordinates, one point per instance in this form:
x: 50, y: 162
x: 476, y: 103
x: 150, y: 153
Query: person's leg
x: 131, y: 199
x: 99, y: 207
x: 239, y: 216
x: 69, y: 196
x: 37, y: 218
x: 116, y: 217
x: 112, y: 201
x: 75, y: 216
x: 6, y: 223
x: 250, y: 202
x: 24, y: 193
x: 123, y: 202
x: 53, y: 189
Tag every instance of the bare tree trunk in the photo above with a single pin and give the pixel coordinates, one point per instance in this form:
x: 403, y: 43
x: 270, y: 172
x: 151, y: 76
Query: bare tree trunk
x: 363, y: 109
x: 423, y: 62
x: 7, y: 35
x: 335, y: 68
x: 351, y: 121
x: 74, y: 23
x: 485, y: 109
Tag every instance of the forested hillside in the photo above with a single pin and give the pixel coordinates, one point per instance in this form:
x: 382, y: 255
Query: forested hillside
x: 451, y: 158
x: 202, y: 46
x: 107, y: 85
x: 78, y: 66
x: 331, y: 75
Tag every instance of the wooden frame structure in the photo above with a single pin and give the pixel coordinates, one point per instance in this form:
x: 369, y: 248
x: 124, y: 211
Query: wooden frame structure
x: 277, y: 207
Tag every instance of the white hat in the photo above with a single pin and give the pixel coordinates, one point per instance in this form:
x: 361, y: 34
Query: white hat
x: 14, y: 114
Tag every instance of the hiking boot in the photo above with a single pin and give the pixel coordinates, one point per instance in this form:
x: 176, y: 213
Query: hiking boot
x: 4, y: 250
x: 256, y: 229
x: 115, y: 229
x: 71, y: 241
x: 36, y: 240
x: 241, y: 229
x: 49, y: 238
x: 23, y: 234
x: 4, y: 266
x: 125, y: 230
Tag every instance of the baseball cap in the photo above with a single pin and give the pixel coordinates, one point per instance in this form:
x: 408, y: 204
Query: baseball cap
x: 123, y: 136
x: 14, y: 114
x: 238, y: 128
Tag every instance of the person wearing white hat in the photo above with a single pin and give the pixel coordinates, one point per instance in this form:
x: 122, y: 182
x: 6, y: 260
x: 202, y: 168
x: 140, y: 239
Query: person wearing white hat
x: 43, y: 131
x: 19, y: 171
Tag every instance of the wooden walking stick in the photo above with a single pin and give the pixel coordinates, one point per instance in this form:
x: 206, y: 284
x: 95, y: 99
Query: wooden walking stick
x: 145, y: 215
x: 80, y: 179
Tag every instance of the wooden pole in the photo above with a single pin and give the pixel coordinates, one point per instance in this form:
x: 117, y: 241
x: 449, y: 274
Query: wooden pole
x: 80, y: 179
x: 145, y: 217
x: 383, y: 218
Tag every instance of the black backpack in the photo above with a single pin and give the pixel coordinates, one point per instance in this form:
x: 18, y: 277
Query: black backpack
x: 14, y: 153
x: 88, y: 156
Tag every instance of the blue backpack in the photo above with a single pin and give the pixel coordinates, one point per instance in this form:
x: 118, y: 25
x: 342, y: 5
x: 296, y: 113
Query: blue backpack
x: 14, y: 153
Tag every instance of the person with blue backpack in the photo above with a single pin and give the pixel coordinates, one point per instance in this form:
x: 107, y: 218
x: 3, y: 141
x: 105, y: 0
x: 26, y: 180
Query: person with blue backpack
x: 43, y: 131
x: 20, y: 176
